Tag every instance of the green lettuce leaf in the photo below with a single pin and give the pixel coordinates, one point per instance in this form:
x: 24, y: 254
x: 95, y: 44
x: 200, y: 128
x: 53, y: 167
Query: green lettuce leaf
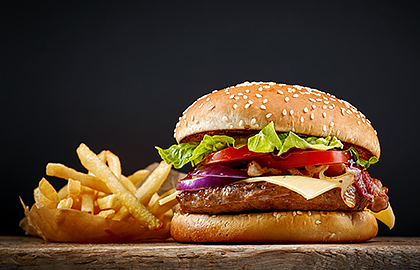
x: 267, y: 140
x: 180, y: 154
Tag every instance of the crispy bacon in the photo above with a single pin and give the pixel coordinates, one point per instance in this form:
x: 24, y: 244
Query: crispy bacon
x: 371, y: 189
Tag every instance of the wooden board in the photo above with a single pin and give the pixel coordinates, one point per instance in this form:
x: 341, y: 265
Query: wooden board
x: 381, y: 252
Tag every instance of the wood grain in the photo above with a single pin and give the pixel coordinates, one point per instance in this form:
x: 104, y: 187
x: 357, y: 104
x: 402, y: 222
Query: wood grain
x: 381, y: 252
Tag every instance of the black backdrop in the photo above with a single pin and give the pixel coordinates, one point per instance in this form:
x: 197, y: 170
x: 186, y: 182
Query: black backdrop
x: 117, y: 75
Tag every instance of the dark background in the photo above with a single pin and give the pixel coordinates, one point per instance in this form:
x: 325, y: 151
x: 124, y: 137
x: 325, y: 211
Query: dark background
x: 117, y: 75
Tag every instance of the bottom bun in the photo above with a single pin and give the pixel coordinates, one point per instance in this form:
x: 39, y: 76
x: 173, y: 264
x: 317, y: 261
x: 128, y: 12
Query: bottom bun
x: 288, y: 226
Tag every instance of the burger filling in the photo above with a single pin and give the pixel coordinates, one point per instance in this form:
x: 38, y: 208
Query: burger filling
x: 274, y: 171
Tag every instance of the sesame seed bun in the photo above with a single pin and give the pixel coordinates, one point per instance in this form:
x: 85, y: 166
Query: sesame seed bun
x: 288, y: 226
x: 248, y: 107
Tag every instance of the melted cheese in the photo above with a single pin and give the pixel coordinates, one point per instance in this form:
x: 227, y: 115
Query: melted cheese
x: 386, y: 216
x: 306, y: 186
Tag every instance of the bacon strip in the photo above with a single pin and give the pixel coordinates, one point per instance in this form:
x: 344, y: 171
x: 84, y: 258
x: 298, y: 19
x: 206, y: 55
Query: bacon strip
x: 371, y: 189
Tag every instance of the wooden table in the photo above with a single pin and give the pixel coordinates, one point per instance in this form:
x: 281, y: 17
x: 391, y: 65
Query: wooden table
x: 381, y: 252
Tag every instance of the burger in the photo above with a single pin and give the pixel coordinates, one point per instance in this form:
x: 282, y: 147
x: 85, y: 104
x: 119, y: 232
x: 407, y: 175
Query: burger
x: 276, y: 163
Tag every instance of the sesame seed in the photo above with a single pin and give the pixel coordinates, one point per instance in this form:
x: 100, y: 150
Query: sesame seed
x: 295, y: 95
x: 284, y: 112
x: 311, y: 99
x: 268, y: 115
x: 245, y: 96
x: 231, y: 126
x: 326, y: 101
x: 196, y: 121
x: 305, y: 109
x: 343, y: 111
x: 291, y: 112
x: 224, y: 118
x: 211, y: 107
x: 331, y: 124
x: 247, y: 105
x: 207, y: 99
x: 201, y: 105
x: 319, y: 99
x: 247, y: 90
x: 324, y: 114
x: 318, y: 222
x: 280, y: 92
x: 286, y: 99
x: 324, y: 128
x: 299, y: 212
x: 358, y: 122
x: 263, y: 107
x: 258, y: 95
x: 241, y: 123
x: 250, y: 101
x: 253, y: 121
x: 260, y: 88
x: 324, y: 107
x: 235, y: 106
x: 313, y: 106
x: 240, y: 94
x: 301, y: 119
x: 265, y: 100
x: 232, y: 96
x: 227, y: 92
x: 312, y: 116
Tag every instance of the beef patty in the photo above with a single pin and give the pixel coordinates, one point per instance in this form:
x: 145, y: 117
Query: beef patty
x: 262, y: 196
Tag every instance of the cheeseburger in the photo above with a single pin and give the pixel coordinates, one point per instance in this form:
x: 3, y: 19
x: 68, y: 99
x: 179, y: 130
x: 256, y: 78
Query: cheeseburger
x: 276, y: 163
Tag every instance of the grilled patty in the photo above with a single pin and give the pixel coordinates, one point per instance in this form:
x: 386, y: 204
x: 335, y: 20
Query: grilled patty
x: 261, y: 196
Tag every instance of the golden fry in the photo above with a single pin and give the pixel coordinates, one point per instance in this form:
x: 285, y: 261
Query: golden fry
x: 74, y: 188
x: 159, y: 210
x: 62, y: 171
x: 48, y: 190
x: 91, y: 161
x: 107, y: 202
x: 107, y: 213
x: 128, y: 184
x: 65, y: 203
x: 153, y: 182
x: 113, y: 163
x: 138, y: 176
x: 88, y: 197
x: 47, y: 202
x: 63, y: 193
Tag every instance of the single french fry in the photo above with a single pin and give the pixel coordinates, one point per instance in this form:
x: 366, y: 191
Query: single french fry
x: 88, y: 197
x: 153, y: 182
x: 62, y: 193
x: 159, y: 210
x: 74, y: 188
x: 65, y: 203
x: 114, y: 163
x: 107, y: 202
x: 91, y: 162
x: 154, y: 199
x: 138, y: 176
x: 47, y: 202
x: 106, y: 213
x: 48, y: 190
x: 62, y: 171
x: 37, y: 194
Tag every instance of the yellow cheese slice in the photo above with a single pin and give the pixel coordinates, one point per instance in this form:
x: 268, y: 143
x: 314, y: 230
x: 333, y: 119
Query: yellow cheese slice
x: 386, y: 216
x: 306, y: 186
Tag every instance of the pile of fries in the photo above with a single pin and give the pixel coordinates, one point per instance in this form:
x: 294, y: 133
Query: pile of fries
x: 101, y: 205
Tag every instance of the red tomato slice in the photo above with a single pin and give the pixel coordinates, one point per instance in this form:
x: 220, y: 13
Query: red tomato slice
x: 292, y: 159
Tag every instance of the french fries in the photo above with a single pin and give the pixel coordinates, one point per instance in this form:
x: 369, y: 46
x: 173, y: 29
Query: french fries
x: 103, y: 193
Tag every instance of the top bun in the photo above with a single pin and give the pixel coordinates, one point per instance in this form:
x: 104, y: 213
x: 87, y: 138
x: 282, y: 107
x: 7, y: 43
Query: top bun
x: 248, y: 107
